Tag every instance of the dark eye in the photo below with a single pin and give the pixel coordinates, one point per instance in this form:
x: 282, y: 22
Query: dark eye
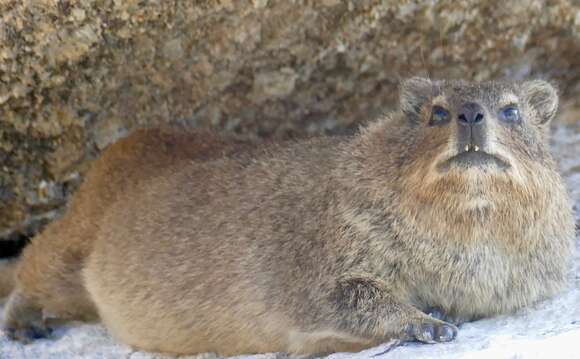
x: 509, y: 114
x: 439, y: 116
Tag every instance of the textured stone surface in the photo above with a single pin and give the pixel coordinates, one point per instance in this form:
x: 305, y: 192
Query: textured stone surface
x: 77, y: 74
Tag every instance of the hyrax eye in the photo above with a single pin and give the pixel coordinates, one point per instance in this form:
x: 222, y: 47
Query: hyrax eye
x: 439, y: 116
x: 509, y: 114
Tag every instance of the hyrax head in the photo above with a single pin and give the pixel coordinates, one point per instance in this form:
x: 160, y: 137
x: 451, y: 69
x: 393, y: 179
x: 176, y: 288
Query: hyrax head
x: 477, y: 131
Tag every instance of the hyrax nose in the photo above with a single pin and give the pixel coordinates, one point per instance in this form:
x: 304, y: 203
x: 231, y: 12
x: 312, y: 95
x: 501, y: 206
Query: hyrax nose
x: 471, y: 114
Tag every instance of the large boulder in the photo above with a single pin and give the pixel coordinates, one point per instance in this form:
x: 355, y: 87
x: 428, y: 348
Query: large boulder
x: 77, y: 74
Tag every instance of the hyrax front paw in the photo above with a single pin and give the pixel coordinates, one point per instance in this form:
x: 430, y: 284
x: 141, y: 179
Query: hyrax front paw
x: 429, y: 330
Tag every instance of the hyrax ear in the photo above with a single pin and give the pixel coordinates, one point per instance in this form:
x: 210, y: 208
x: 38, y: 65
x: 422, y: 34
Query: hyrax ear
x: 543, y: 98
x: 413, y: 93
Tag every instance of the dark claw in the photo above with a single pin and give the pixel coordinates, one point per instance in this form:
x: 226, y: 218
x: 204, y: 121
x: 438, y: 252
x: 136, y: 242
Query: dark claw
x: 427, y: 333
x: 38, y: 332
x: 445, y: 333
x: 28, y: 334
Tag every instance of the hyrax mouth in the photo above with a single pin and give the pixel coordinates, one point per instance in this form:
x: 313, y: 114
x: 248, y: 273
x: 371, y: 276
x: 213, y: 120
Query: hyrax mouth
x: 473, y: 156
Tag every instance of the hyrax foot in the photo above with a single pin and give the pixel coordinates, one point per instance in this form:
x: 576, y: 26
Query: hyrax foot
x: 431, y: 331
x: 23, y: 321
x: 27, y: 333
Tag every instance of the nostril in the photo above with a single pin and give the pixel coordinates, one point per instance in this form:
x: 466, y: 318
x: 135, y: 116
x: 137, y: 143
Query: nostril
x: 470, y: 118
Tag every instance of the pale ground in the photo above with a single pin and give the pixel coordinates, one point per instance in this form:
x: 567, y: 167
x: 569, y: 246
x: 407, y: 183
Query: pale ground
x: 550, y: 329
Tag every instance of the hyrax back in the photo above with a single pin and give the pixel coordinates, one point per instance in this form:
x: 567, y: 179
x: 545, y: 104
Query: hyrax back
x: 451, y: 205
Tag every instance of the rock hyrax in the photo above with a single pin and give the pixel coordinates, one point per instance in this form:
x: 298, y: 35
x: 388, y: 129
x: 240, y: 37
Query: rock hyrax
x: 189, y: 243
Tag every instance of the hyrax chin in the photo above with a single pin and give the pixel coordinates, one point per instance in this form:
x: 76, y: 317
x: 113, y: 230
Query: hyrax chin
x: 185, y: 243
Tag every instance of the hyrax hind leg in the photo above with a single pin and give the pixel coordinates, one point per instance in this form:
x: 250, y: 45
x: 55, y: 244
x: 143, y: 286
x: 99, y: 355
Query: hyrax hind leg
x: 48, y: 281
x: 48, y: 278
x: 23, y: 319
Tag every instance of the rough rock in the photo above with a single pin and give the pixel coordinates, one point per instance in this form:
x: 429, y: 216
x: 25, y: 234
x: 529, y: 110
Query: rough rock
x: 77, y: 74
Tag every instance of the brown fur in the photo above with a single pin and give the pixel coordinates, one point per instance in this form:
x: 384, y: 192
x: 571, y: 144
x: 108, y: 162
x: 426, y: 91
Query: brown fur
x: 7, y: 268
x: 54, y: 259
x: 322, y: 245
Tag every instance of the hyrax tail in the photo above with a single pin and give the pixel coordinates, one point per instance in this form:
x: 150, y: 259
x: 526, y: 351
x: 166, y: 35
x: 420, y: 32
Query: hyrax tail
x: 7, y: 267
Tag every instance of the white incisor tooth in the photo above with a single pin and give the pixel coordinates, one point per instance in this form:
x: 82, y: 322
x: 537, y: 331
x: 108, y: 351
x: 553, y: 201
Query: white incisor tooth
x: 476, y: 148
x: 466, y: 148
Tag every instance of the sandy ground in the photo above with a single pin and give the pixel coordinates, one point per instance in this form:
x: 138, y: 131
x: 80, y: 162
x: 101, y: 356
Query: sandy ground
x: 550, y: 329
